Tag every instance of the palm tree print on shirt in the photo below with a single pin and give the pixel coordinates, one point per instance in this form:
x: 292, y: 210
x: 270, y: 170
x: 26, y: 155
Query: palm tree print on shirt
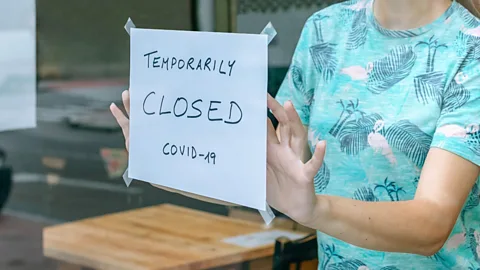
x: 355, y: 264
x: 468, y: 38
x: 471, y: 241
x: 329, y: 254
x: 356, y: 131
x: 297, y: 78
x: 472, y: 267
x: 365, y: 194
x: 472, y: 202
x: 467, y: 42
x: 391, y: 69
x: 473, y: 140
x: 317, y: 22
x: 415, y: 181
x: 353, y: 127
x: 324, y: 53
x: 455, y: 96
x: 322, y: 178
x: 410, y: 140
x: 391, y: 188
x: 469, y: 20
x: 333, y: 261
x: 358, y: 33
x: 347, y: 111
x: 470, y: 235
x: 297, y: 82
x: 438, y: 258
x: 347, y: 11
x: 429, y: 86
x: 383, y: 74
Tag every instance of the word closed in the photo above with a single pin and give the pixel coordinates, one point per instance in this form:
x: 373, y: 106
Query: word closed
x: 181, y: 107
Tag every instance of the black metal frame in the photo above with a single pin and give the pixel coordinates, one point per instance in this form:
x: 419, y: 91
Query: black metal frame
x: 194, y: 15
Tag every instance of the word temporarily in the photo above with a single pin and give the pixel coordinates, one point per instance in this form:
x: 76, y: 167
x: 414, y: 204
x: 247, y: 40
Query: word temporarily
x: 184, y: 108
x: 209, y: 64
x: 188, y: 151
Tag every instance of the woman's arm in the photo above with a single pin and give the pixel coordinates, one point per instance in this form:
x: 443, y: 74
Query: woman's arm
x: 419, y: 226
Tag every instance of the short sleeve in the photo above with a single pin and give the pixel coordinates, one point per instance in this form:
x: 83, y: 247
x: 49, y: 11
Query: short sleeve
x: 299, y: 83
x: 457, y: 129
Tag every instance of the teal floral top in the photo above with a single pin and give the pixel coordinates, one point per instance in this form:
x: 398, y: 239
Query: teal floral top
x: 381, y: 99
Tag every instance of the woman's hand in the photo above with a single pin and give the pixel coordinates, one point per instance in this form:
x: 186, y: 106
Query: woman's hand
x: 299, y: 139
x: 290, y: 186
x: 122, y: 119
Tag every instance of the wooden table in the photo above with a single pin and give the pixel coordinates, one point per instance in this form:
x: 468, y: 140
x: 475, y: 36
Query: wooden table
x: 159, y: 237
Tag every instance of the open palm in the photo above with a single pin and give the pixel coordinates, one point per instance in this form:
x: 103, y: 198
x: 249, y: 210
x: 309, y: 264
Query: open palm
x: 290, y: 186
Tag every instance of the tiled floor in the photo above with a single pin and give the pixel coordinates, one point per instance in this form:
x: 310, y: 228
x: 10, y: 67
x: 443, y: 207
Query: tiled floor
x: 21, y: 245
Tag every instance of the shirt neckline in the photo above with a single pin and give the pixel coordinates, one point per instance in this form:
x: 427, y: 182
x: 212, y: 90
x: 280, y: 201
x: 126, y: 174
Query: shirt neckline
x: 409, y: 33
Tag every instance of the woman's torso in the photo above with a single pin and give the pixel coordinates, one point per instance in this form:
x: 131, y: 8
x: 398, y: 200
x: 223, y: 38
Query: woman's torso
x: 376, y: 103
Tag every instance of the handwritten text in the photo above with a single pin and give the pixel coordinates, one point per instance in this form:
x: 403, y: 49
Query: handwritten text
x: 181, y: 107
x: 188, y: 151
x: 223, y: 67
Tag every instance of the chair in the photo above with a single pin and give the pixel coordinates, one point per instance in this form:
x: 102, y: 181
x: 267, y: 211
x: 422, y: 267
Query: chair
x: 294, y: 253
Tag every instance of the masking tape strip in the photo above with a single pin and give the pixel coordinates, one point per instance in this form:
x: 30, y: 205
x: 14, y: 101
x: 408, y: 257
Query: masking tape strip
x: 129, y: 25
x: 267, y: 215
x: 127, y: 179
x: 270, y: 31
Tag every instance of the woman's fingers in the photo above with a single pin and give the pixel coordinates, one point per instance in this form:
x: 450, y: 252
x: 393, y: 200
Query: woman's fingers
x: 315, y: 163
x: 277, y: 109
x: 296, y: 123
x: 126, y: 101
x: 285, y: 134
x: 271, y: 134
x: 286, y: 115
x: 122, y: 120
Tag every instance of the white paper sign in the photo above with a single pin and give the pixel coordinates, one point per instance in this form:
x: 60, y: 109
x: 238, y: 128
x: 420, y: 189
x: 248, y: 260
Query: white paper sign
x: 18, y: 75
x: 198, y: 113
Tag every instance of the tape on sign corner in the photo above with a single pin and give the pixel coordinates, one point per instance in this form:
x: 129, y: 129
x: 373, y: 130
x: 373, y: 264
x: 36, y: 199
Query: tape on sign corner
x: 270, y: 31
x: 267, y: 215
x: 129, y: 25
x: 127, y: 179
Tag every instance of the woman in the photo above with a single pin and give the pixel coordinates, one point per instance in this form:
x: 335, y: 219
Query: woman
x: 393, y: 88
